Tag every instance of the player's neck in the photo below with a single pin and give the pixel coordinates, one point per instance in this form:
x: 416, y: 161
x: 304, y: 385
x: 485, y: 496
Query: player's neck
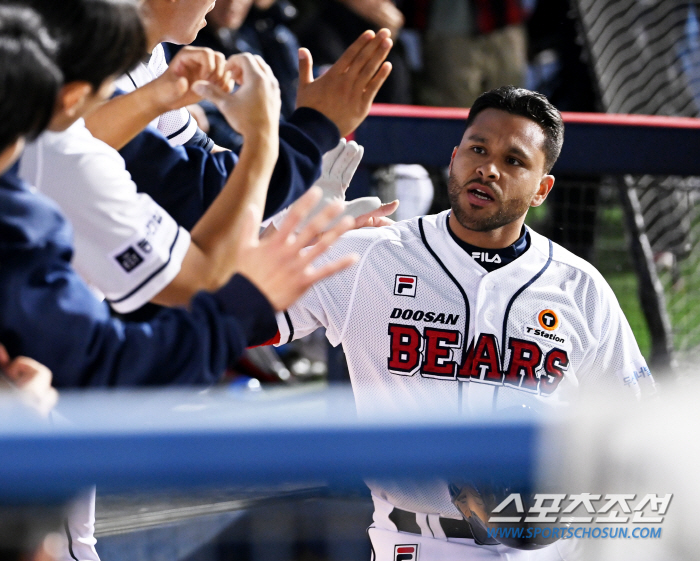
x: 493, y: 239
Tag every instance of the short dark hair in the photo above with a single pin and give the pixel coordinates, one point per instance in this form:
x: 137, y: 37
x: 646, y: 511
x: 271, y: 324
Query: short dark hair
x: 29, y: 78
x: 532, y: 105
x: 96, y: 38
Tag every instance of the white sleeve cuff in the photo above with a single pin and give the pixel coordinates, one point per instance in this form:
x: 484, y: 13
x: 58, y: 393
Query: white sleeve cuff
x: 285, y: 328
x: 158, y: 280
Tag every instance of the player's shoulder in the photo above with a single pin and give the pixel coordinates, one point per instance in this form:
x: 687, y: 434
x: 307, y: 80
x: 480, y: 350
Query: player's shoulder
x: 562, y: 257
x: 75, y: 142
x: 398, y: 234
x: 73, y: 164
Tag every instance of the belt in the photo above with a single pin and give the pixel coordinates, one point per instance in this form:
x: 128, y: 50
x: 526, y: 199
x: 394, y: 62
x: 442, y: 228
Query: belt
x: 406, y: 522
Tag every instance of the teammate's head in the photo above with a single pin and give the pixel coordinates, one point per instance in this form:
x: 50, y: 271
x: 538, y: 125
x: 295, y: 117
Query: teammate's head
x: 528, y: 104
x: 501, y: 167
x: 98, y: 40
x: 176, y: 21
x: 29, y: 79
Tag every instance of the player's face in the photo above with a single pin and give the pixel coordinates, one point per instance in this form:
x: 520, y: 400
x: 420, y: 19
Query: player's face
x: 177, y: 22
x: 497, y: 172
x: 229, y: 13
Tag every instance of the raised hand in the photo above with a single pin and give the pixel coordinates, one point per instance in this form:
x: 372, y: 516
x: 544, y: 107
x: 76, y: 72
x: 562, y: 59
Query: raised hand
x: 173, y: 89
x: 280, y: 265
x: 346, y: 91
x: 255, y: 106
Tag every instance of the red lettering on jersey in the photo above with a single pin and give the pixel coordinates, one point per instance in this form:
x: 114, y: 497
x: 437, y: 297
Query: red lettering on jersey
x: 438, y: 352
x: 524, y: 358
x: 405, y: 352
x: 555, y: 364
x: 485, y: 365
x: 465, y: 369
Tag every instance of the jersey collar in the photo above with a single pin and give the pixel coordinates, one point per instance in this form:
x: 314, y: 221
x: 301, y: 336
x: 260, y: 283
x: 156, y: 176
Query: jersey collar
x: 455, y: 258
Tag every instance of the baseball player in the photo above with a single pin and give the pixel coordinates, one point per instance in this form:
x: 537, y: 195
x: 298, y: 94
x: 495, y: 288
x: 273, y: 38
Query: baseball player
x: 178, y: 24
x: 130, y: 248
x: 470, y: 310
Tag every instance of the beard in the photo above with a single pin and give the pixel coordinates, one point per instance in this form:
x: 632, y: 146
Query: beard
x: 480, y: 219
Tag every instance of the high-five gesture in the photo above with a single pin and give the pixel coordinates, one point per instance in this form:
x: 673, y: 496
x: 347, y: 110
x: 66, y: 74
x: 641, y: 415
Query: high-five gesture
x: 346, y: 91
x: 280, y: 264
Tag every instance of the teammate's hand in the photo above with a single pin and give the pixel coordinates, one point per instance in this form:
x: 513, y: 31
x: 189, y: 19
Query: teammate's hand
x: 280, y: 265
x: 337, y: 170
x: 254, y: 107
x: 377, y: 217
x: 345, y: 92
x: 32, y: 378
x: 174, y: 88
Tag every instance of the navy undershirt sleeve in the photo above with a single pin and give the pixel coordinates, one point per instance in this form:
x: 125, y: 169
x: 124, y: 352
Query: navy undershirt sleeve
x: 47, y: 312
x: 185, y: 180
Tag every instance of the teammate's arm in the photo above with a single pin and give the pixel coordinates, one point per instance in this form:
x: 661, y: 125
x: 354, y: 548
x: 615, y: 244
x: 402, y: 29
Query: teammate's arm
x: 119, y: 120
x: 211, y: 258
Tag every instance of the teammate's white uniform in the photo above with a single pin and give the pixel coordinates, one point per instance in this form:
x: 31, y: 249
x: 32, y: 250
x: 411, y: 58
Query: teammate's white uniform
x: 418, y: 317
x: 177, y: 126
x: 126, y: 245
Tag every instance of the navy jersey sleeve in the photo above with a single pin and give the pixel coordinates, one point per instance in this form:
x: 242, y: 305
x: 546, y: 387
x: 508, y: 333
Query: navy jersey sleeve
x: 52, y: 316
x: 184, y: 180
x: 48, y: 313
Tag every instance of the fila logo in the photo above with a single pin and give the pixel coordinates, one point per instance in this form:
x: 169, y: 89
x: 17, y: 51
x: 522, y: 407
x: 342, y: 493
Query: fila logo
x: 485, y: 257
x: 406, y: 552
x: 405, y: 285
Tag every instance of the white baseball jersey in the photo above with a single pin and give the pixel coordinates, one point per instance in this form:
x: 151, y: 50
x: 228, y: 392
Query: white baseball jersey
x: 425, y: 327
x: 177, y: 126
x: 126, y: 245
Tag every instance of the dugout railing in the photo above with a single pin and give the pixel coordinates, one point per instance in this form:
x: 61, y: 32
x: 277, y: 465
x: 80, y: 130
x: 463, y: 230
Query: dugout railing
x: 601, y: 153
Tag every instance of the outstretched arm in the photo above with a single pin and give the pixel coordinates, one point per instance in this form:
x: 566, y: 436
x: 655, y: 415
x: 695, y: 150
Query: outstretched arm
x: 254, y: 107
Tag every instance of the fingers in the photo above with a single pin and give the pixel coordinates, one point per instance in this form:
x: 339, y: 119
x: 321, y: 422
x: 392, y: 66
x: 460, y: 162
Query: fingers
x: 241, y: 66
x: 376, y: 217
x: 210, y: 91
x: 319, y: 223
x: 265, y: 67
x: 331, y: 157
x: 306, y: 71
x: 344, y: 225
x: 374, y: 62
x: 299, y: 211
x: 369, y: 59
x: 354, y: 159
x: 377, y: 82
x: 219, y: 74
x: 352, y: 52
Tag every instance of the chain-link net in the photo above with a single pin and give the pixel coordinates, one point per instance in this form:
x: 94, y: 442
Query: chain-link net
x: 645, y: 57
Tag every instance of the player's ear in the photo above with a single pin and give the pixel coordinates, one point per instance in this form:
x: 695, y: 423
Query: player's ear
x: 452, y: 159
x: 72, y: 97
x: 546, y: 184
